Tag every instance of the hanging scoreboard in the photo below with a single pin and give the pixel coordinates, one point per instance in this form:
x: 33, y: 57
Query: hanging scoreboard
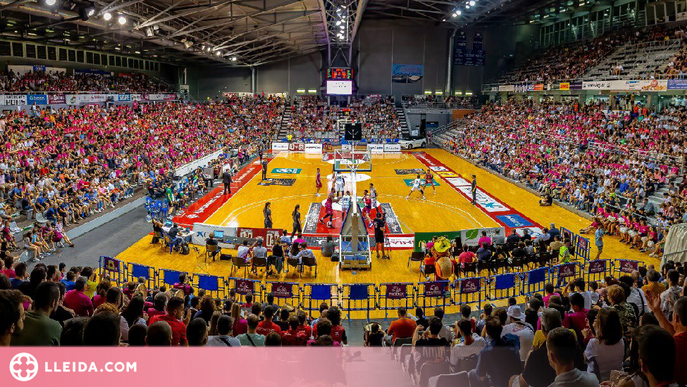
x: 343, y: 73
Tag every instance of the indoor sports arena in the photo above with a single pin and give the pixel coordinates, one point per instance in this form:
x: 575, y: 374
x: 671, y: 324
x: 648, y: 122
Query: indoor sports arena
x: 491, y: 191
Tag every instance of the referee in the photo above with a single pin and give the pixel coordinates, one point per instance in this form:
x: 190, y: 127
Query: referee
x: 380, y: 225
x: 473, y: 189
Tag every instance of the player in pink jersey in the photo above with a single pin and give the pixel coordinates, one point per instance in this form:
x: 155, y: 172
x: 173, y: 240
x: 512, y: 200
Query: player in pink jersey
x: 318, y: 182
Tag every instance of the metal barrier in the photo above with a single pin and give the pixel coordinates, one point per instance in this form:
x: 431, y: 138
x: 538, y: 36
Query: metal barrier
x: 597, y: 270
x: 357, y: 297
x: 289, y: 291
x: 148, y: 273
x: 534, y: 281
x: 470, y: 291
x: 212, y: 284
x: 561, y: 273
x: 624, y: 266
x: 395, y: 295
x: 433, y: 294
x: 319, y: 293
x: 582, y: 249
x: 115, y: 268
x: 244, y: 286
x: 170, y: 277
x: 503, y: 286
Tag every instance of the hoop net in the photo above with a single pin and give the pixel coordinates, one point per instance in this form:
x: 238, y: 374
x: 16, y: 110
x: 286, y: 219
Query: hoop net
x: 352, y: 161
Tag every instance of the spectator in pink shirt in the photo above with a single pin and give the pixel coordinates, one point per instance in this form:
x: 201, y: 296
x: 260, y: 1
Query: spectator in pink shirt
x: 77, y: 301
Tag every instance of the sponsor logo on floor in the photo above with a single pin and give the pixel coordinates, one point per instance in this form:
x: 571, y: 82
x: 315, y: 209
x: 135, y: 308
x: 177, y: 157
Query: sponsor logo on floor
x: 415, y: 171
x: 497, y: 210
x: 311, y: 218
x: 392, y: 222
x: 282, y: 182
x: 287, y: 171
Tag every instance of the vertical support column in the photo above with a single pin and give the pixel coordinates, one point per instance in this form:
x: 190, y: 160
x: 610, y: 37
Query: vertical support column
x: 449, y: 64
x: 253, y: 79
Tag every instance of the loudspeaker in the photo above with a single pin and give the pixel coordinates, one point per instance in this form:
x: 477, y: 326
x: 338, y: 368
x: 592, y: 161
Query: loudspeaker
x: 225, y: 257
x: 353, y: 132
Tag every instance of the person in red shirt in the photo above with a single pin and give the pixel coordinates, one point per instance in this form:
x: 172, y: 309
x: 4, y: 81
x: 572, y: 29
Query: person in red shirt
x: 294, y: 337
x: 402, y: 328
x: 175, y: 311
x: 303, y: 326
x: 77, y: 301
x: 267, y: 326
x: 159, y: 303
x: 466, y: 256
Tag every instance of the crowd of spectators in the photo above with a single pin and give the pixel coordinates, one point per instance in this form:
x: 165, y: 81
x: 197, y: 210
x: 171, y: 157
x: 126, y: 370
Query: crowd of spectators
x: 625, y: 331
x: 434, y: 101
x: 65, y: 165
x: 596, y: 160
x: 571, y: 61
x: 311, y: 118
x: 60, y: 81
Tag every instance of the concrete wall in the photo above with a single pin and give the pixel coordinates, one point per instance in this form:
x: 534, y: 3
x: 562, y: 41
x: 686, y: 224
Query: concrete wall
x: 380, y: 44
x: 289, y: 75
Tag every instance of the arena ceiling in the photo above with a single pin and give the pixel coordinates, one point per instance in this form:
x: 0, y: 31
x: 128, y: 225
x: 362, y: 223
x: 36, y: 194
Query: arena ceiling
x: 231, y: 32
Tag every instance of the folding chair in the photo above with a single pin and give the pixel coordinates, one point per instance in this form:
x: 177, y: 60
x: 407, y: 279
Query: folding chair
x: 238, y: 262
x: 211, y: 251
x: 416, y: 256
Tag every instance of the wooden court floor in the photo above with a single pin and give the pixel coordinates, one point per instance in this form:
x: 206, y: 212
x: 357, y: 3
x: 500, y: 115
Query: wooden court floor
x: 445, y: 211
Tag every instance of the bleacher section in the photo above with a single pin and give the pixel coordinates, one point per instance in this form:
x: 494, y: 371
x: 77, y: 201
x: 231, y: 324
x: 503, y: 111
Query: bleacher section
x: 638, y: 61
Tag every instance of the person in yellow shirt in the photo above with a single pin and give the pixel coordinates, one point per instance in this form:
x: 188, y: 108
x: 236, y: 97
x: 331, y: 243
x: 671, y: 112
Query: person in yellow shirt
x: 652, y: 276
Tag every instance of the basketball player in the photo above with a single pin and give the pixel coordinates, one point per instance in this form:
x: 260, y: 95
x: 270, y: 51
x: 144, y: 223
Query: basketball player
x: 429, y: 180
x: 417, y: 186
x: 373, y: 196
x: 318, y: 182
x: 367, y: 207
x: 328, y: 210
x: 379, y: 226
x: 339, y: 183
x: 473, y: 190
x: 345, y: 202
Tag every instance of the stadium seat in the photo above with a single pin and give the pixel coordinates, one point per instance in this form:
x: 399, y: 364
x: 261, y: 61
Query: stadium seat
x: 450, y: 380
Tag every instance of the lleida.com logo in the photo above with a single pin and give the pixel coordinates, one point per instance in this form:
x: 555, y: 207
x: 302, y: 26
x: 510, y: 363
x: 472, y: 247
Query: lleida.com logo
x: 23, y: 367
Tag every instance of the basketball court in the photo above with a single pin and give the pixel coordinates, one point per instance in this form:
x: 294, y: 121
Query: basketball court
x: 291, y: 182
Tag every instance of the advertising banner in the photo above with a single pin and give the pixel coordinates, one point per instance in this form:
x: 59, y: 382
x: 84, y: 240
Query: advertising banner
x: 280, y: 146
x: 507, y: 88
x: 392, y: 148
x: 313, y: 148
x: 435, y: 288
x: 471, y: 237
x: 37, y: 99
x: 576, y: 85
x: 406, y: 73
x: 564, y: 86
x: 461, y: 48
x: 375, y: 148
x: 538, y: 87
x: 57, y: 99
x: 677, y: 84
x: 269, y: 236
x: 396, y: 291
x: 296, y: 147
x: 15, y: 99
x: 123, y: 97
x: 596, y: 85
x: 470, y: 285
x: 282, y: 289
